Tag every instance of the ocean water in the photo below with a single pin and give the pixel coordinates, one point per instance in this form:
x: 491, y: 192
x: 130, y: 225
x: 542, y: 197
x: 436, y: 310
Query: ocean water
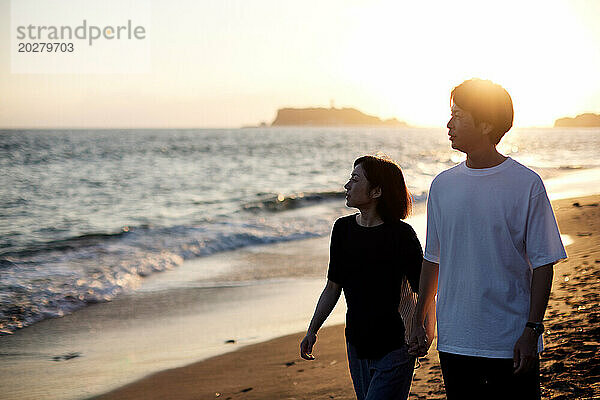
x: 85, y: 215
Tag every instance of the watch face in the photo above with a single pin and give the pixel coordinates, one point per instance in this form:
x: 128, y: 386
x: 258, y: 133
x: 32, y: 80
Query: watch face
x: 537, y: 328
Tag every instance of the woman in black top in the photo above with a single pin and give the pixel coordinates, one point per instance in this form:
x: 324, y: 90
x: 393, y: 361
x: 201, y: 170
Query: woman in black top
x: 376, y: 259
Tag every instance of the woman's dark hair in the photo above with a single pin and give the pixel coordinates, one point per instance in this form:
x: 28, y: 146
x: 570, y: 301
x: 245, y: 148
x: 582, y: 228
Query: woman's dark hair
x: 395, y: 202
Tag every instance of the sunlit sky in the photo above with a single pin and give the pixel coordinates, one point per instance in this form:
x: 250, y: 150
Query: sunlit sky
x: 224, y: 63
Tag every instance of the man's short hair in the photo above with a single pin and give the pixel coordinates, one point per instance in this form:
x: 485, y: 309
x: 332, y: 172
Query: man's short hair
x: 487, y: 102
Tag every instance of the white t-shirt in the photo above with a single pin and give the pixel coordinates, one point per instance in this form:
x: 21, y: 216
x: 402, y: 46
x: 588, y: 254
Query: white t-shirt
x: 488, y: 228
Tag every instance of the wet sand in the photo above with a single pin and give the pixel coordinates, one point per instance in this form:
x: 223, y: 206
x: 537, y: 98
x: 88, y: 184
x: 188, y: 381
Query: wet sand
x: 273, y: 370
x: 571, y: 362
x: 176, y: 318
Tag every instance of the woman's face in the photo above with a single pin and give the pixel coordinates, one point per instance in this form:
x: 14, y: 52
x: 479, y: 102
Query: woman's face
x: 358, y: 194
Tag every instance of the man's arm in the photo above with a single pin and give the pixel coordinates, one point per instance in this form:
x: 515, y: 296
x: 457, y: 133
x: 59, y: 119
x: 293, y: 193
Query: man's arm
x: 525, y: 350
x: 327, y: 302
x: 419, y: 342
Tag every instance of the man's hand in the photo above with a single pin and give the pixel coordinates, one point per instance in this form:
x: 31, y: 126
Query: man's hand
x: 419, y: 343
x: 306, y: 346
x: 525, y: 352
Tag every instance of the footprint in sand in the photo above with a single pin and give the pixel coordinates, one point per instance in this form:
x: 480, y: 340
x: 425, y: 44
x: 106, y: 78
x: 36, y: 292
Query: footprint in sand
x: 65, y: 357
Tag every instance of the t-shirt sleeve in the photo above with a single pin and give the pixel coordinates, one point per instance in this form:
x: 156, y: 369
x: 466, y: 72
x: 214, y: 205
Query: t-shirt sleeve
x: 432, y: 241
x: 334, y: 272
x: 414, y: 259
x: 542, y: 238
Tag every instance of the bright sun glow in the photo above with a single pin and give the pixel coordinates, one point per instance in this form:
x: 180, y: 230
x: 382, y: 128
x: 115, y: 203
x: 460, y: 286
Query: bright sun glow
x: 413, y: 48
x: 232, y: 63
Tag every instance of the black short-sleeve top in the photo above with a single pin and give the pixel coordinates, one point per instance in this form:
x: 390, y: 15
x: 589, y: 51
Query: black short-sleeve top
x: 370, y: 264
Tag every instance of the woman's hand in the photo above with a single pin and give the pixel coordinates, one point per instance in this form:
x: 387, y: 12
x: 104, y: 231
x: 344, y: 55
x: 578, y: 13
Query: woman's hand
x: 327, y: 301
x: 306, y: 346
x: 419, y: 343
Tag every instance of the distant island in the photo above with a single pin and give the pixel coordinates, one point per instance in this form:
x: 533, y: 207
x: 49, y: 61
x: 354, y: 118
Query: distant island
x: 330, y: 117
x: 581, y: 121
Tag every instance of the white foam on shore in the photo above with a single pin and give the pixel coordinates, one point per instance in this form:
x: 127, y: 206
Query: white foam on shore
x: 584, y: 182
x: 567, y: 240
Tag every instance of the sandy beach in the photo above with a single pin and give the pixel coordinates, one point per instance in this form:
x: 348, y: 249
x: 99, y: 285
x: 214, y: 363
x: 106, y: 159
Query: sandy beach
x: 273, y: 369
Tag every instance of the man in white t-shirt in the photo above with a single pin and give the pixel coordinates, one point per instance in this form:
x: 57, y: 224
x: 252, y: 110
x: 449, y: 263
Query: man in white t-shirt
x: 492, y: 241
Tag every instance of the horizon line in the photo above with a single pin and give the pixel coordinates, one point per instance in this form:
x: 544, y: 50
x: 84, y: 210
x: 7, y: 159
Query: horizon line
x: 408, y: 126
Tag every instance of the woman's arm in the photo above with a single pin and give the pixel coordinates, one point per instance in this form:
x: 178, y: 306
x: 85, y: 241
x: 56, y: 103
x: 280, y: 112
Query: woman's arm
x: 327, y: 302
x: 420, y: 342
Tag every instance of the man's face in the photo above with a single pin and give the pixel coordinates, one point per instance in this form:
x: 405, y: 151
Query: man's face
x: 464, y: 135
x: 357, y: 189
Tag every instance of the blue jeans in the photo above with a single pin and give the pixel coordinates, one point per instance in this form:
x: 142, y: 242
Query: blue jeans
x: 386, y: 378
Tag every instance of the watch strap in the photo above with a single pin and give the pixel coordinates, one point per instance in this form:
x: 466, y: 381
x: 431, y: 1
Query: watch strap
x: 537, y: 327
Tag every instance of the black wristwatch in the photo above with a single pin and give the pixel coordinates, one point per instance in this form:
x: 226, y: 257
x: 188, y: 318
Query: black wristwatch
x: 537, y: 327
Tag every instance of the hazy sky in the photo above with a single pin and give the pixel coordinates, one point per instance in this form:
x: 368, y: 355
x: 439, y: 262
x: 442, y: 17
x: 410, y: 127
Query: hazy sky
x: 231, y: 63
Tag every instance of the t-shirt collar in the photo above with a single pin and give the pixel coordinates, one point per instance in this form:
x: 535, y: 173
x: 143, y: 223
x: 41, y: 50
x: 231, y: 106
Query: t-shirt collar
x: 486, y: 171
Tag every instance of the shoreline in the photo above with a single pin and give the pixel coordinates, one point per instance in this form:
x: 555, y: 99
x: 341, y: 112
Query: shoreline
x: 273, y: 369
x: 569, y: 183
x: 164, y: 324
x: 108, y: 345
